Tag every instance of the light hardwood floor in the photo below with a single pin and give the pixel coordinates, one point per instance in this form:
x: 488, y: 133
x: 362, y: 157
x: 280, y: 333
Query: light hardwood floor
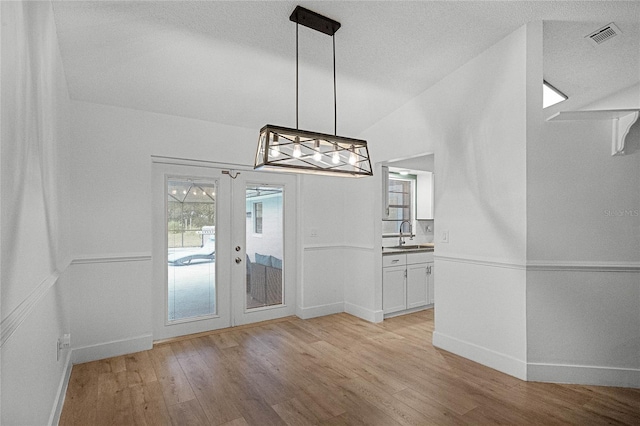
x: 334, y: 370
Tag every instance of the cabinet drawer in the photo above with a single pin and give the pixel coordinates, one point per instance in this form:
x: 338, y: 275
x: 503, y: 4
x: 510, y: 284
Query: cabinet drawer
x: 394, y: 260
x: 419, y: 257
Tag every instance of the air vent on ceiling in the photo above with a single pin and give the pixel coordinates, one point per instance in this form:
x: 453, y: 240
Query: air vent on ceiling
x: 603, y: 34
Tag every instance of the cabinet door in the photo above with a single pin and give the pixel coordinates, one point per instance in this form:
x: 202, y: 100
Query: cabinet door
x: 393, y: 289
x: 385, y: 192
x: 417, y: 285
x: 430, y: 285
x: 425, y: 196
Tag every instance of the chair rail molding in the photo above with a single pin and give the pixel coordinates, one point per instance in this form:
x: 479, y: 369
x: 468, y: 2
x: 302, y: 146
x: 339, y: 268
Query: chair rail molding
x: 621, y: 122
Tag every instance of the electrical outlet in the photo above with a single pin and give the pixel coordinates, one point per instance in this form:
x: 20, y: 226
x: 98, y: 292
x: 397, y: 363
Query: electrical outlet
x: 444, y: 236
x: 63, y: 343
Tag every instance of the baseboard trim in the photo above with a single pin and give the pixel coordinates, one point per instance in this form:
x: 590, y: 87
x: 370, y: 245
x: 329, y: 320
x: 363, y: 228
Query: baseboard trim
x: 320, y: 310
x: 110, y: 349
x: 584, y: 375
x: 364, y: 313
x: 408, y: 311
x: 496, y: 360
x: 56, y: 411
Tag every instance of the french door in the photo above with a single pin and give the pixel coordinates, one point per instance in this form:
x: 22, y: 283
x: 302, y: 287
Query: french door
x: 224, y: 248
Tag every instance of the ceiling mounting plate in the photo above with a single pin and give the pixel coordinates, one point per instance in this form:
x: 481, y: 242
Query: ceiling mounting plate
x: 314, y: 21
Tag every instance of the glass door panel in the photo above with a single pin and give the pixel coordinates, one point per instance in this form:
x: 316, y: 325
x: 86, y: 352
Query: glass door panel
x: 264, y: 235
x: 191, y: 249
x: 191, y: 256
x: 264, y: 245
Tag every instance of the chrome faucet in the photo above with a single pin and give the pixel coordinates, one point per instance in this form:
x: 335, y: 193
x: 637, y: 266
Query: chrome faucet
x: 401, y: 239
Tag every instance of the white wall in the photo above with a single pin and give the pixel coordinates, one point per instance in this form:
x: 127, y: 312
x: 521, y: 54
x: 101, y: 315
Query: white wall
x: 112, y: 242
x: 35, y: 211
x: 474, y: 121
x: 323, y: 240
x: 540, y: 277
x: 583, y: 283
x: 624, y: 99
x: 112, y: 284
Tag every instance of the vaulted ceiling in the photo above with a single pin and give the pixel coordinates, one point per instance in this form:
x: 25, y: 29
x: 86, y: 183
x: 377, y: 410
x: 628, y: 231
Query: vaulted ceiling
x: 234, y: 62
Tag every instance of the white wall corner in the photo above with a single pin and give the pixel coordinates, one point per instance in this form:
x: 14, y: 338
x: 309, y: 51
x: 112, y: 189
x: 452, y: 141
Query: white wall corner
x: 110, y: 349
x: 498, y: 361
x: 370, y: 315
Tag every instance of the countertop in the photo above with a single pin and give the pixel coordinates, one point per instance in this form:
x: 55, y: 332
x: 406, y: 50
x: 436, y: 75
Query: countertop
x: 408, y: 249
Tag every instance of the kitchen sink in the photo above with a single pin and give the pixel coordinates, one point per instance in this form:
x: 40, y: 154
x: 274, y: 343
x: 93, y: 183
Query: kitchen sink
x: 413, y: 247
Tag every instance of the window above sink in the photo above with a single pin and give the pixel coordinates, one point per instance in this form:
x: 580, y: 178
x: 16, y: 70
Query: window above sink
x: 408, y: 195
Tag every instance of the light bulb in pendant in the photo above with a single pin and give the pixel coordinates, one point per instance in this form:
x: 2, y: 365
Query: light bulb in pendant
x: 352, y: 156
x: 335, y: 158
x: 317, y: 155
x: 275, y: 147
x: 297, y: 152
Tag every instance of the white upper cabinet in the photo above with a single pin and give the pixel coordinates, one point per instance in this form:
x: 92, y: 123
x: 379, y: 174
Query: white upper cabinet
x: 425, y: 196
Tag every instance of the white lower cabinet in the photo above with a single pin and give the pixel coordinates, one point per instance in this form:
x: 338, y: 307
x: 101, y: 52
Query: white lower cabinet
x: 406, y: 281
x: 394, y: 297
x: 417, y: 285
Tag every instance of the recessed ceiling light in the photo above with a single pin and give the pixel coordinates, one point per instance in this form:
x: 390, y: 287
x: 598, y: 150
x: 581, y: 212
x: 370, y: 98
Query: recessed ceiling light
x: 551, y: 95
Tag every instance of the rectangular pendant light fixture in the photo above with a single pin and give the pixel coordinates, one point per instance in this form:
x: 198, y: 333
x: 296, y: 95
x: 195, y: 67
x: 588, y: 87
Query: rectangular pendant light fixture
x: 302, y: 151
x: 293, y: 150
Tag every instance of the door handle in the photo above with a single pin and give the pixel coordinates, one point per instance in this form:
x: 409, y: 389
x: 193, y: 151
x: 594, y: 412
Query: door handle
x: 237, y: 248
x: 238, y: 260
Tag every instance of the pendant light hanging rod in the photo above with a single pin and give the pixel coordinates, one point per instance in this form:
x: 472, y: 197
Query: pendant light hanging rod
x: 325, y: 25
x: 335, y: 103
x: 297, y: 84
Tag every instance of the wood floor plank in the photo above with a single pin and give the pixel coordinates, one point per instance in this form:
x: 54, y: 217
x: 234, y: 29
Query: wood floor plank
x: 295, y: 413
x: 393, y: 407
x: 358, y: 410
x: 149, y: 405
x: 139, y: 368
x: 212, y: 391
x: 437, y: 413
x: 237, y: 422
x: 80, y: 404
x: 333, y: 370
x: 188, y: 413
x: 369, y: 371
x: 174, y: 384
x: 114, y: 400
x: 224, y: 340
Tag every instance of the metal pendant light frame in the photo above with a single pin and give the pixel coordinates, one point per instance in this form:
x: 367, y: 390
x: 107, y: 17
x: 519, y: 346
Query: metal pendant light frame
x: 294, y: 150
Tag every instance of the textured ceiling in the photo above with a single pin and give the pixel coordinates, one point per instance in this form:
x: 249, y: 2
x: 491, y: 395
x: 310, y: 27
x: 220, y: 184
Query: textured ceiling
x: 234, y: 62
